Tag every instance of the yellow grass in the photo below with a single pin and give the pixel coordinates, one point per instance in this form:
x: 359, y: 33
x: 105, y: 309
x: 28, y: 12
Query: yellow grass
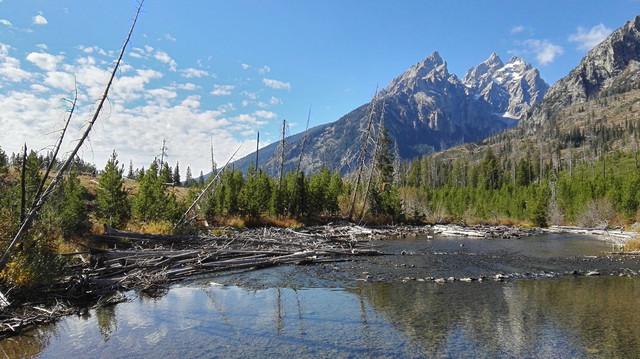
x: 155, y: 227
x: 632, y: 245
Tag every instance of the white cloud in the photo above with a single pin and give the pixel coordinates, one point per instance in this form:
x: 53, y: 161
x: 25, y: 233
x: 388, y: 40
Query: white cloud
x: 39, y: 88
x: 40, y: 20
x: 61, y: 80
x: 275, y: 101
x: 222, y: 90
x: 44, y: 60
x: 245, y: 66
x: 246, y: 122
x: 250, y: 95
x: 188, y: 86
x: 5, y: 22
x: 165, y: 59
x: 161, y: 96
x: 264, y: 70
x: 191, y: 72
x: 277, y: 85
x: 10, y: 69
x: 545, y: 51
x: 93, y: 49
x: 517, y: 29
x: 265, y: 114
x: 42, y: 46
x: 169, y: 37
x: 587, y: 40
x: 139, y: 112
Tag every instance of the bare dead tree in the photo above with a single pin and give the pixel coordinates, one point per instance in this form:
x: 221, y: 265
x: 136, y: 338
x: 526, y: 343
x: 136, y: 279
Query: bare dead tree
x: 163, y: 151
x: 39, y: 202
x: 215, y: 180
x: 304, y: 140
x: 282, y: 144
x: 257, y: 149
x: 362, y: 156
x: 54, y: 156
x: 372, y: 164
x: 23, y: 185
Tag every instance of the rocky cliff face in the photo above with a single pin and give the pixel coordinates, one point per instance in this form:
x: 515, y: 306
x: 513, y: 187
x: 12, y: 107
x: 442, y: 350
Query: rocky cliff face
x: 426, y: 109
x: 511, y: 88
x: 611, y: 64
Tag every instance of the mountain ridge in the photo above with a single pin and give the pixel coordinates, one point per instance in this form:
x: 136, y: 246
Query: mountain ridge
x: 426, y: 109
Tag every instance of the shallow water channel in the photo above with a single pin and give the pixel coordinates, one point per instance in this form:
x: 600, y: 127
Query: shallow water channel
x: 552, y: 318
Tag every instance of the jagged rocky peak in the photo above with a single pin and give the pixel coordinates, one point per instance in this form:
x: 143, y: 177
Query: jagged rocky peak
x: 478, y: 73
x: 510, y: 89
x: 606, y: 65
x: 432, y: 69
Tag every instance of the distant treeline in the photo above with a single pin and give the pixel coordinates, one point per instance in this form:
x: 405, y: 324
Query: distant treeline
x: 599, y: 191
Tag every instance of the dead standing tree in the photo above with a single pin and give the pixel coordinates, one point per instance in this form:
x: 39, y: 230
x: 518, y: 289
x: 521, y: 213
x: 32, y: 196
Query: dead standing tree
x: 373, y: 162
x: 41, y: 200
x: 304, y: 140
x: 362, y: 155
x: 282, y: 148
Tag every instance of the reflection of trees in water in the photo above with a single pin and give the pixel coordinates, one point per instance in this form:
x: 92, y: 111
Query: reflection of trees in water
x: 523, y: 318
x: 28, y: 345
x: 601, y: 313
x: 107, y: 321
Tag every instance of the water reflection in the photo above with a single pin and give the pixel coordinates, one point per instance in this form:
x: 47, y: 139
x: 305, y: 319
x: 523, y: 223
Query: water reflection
x: 584, y: 317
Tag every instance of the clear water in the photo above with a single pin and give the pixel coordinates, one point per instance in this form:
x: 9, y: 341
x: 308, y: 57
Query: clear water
x: 555, y: 318
x: 540, y: 246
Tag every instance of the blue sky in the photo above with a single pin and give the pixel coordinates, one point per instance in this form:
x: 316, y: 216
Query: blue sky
x: 223, y: 69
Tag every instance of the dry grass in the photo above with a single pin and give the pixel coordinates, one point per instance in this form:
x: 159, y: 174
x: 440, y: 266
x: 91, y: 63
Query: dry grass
x: 155, y: 227
x: 244, y: 222
x: 632, y: 245
x: 282, y: 222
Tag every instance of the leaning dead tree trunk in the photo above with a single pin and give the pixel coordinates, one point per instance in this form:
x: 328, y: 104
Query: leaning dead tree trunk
x: 54, y: 156
x: 363, y: 154
x: 39, y: 202
x: 23, y: 185
x: 373, y: 163
x: 215, y: 179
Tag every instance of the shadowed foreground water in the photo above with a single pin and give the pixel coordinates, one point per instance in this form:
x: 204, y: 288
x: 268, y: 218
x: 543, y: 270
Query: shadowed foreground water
x: 570, y: 317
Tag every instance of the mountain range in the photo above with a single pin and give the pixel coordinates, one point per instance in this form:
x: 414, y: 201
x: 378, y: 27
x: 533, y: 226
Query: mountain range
x: 427, y: 109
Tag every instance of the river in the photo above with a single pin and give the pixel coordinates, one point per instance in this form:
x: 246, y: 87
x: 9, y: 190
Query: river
x: 526, y: 318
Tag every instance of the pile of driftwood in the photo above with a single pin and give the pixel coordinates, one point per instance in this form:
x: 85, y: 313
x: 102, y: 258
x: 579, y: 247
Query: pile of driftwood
x: 151, y: 262
x: 481, y: 231
x: 119, y: 260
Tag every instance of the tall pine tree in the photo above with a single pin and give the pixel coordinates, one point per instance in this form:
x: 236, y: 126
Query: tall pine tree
x: 112, y: 205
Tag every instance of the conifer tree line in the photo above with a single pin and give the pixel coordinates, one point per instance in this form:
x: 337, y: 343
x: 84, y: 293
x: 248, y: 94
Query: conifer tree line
x: 535, y: 188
